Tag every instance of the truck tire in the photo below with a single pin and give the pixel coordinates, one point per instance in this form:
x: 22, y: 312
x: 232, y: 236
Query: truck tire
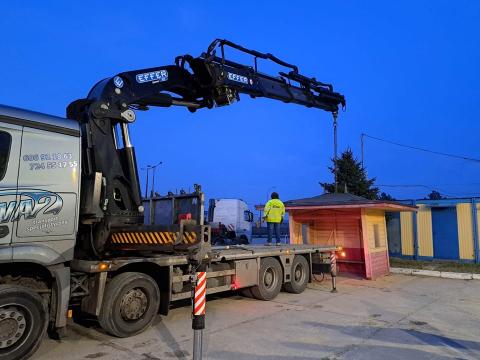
x: 299, y: 276
x: 130, y: 304
x: 23, y: 322
x: 247, y: 292
x: 270, y: 280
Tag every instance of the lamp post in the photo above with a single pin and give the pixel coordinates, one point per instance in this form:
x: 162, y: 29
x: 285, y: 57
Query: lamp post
x: 335, y: 156
x: 146, y: 183
x: 148, y: 168
x: 153, y: 178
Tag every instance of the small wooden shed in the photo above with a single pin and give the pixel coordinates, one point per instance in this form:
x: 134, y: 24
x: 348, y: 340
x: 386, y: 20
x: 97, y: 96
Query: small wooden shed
x: 355, y: 223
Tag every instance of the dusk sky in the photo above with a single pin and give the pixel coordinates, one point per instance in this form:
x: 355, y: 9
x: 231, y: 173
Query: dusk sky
x: 410, y: 72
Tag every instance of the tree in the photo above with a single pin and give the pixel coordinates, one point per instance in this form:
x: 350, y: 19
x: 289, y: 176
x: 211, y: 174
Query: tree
x: 386, y: 197
x: 351, y: 176
x: 435, y: 195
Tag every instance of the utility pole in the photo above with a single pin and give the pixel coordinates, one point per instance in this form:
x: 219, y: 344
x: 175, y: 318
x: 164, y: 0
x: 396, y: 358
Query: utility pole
x: 148, y: 168
x: 335, y: 155
x: 146, y: 183
x: 153, y: 178
x: 362, y: 144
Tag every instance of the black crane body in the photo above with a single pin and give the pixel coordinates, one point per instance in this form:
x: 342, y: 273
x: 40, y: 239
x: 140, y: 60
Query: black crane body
x: 205, y: 81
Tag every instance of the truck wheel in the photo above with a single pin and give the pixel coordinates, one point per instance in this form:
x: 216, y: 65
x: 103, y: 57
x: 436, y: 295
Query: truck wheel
x: 130, y: 304
x: 269, y: 280
x: 23, y: 322
x: 299, y: 276
x: 247, y: 292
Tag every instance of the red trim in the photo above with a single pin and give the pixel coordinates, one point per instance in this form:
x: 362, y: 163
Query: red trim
x: 381, y: 206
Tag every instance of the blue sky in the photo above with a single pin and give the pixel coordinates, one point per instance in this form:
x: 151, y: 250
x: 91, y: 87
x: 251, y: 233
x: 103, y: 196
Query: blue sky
x: 409, y: 70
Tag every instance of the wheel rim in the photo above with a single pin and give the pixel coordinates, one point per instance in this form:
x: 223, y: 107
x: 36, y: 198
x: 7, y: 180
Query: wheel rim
x: 134, y: 304
x: 269, y: 278
x: 13, y: 325
x: 299, y: 274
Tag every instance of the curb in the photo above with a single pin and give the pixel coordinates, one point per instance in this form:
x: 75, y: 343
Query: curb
x: 432, y: 273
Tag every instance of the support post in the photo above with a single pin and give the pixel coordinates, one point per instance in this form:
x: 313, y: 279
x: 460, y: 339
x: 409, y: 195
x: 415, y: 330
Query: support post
x: 199, y: 291
x: 415, y: 235
x: 146, y: 184
x: 333, y: 271
x: 476, y: 249
x: 335, y: 155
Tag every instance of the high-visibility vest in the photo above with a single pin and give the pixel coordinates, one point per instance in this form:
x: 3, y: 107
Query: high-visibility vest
x: 274, y: 210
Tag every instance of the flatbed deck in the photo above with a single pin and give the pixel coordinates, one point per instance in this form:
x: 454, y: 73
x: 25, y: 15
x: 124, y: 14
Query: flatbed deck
x: 219, y: 253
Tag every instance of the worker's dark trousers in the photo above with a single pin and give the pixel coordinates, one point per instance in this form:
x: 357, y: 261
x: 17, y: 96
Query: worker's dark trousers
x: 273, y: 226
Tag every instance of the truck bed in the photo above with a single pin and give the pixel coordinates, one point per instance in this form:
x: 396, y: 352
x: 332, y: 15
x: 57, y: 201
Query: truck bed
x: 220, y: 253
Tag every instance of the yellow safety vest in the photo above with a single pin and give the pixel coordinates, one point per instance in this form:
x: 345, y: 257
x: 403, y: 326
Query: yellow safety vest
x: 274, y: 211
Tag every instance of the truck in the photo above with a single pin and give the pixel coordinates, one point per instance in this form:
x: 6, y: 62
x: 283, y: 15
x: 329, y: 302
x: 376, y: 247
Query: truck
x: 230, y: 221
x: 75, y: 233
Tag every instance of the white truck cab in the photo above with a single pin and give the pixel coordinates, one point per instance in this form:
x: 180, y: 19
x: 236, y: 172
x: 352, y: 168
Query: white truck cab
x: 234, y: 214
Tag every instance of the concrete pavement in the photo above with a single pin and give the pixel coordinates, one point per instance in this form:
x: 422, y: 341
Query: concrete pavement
x: 397, y: 317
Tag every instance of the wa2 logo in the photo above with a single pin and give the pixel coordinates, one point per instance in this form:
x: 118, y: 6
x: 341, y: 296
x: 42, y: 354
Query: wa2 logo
x: 29, y: 203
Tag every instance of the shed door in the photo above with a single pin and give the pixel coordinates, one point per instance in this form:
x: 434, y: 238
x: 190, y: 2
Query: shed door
x: 393, y: 233
x: 445, y: 233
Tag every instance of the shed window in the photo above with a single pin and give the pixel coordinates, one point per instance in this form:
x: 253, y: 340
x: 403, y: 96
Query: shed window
x: 5, y: 143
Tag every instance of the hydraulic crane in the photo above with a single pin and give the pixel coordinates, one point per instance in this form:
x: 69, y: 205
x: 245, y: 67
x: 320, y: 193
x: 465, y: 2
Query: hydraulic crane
x: 206, y: 81
x: 70, y: 242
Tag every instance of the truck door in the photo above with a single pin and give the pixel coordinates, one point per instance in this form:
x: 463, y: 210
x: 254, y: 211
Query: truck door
x: 10, y: 140
x: 48, y: 180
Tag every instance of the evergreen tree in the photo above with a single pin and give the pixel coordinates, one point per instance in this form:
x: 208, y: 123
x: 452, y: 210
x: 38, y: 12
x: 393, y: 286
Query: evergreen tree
x: 352, y: 177
x: 435, y: 195
x: 385, y: 196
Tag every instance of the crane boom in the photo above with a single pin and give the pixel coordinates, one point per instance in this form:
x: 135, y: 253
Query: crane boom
x: 205, y: 81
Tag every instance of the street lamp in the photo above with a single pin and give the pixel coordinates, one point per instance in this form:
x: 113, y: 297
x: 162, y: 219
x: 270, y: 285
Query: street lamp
x: 152, y: 167
x: 153, y: 177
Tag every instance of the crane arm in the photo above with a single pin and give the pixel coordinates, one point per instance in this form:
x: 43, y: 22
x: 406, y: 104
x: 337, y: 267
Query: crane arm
x: 205, y: 81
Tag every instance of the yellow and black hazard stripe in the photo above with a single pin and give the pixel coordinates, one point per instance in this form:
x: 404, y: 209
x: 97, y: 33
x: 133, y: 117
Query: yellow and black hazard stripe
x: 152, y: 237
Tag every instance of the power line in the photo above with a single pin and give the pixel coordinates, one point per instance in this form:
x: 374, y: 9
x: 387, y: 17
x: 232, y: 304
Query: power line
x: 421, y: 149
x: 428, y: 187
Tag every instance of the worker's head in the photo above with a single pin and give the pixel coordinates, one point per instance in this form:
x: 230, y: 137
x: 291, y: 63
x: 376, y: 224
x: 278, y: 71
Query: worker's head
x: 274, y: 195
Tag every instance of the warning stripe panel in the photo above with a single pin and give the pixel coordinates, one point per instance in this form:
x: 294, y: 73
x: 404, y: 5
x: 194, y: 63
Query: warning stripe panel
x: 154, y: 237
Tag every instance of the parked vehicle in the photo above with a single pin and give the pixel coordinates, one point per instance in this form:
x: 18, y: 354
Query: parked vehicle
x: 230, y: 221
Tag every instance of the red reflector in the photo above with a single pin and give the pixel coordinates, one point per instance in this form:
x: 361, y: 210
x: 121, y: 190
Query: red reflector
x: 234, y: 285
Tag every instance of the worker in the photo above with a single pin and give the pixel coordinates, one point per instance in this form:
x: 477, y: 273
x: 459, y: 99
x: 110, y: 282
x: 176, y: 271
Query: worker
x: 273, y: 215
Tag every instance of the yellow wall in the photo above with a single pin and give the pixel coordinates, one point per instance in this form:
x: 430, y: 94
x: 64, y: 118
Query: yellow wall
x: 406, y: 232
x: 465, y: 233
x: 424, y: 231
x: 376, y: 218
x: 295, y: 231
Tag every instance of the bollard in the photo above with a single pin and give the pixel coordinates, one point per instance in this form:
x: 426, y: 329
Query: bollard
x: 199, y: 291
x: 333, y: 271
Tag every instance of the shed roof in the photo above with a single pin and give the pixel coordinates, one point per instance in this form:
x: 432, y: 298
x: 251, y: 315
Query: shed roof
x: 344, y: 200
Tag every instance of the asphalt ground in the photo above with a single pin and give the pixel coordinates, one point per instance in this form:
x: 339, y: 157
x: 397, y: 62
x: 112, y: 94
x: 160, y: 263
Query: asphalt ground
x: 396, y: 317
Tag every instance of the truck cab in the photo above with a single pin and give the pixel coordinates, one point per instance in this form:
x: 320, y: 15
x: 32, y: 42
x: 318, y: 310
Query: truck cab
x: 233, y: 217
x: 39, y: 186
x: 39, y: 205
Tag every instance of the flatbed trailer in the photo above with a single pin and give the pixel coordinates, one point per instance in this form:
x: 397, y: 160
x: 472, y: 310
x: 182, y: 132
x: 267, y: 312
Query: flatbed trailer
x: 259, y: 271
